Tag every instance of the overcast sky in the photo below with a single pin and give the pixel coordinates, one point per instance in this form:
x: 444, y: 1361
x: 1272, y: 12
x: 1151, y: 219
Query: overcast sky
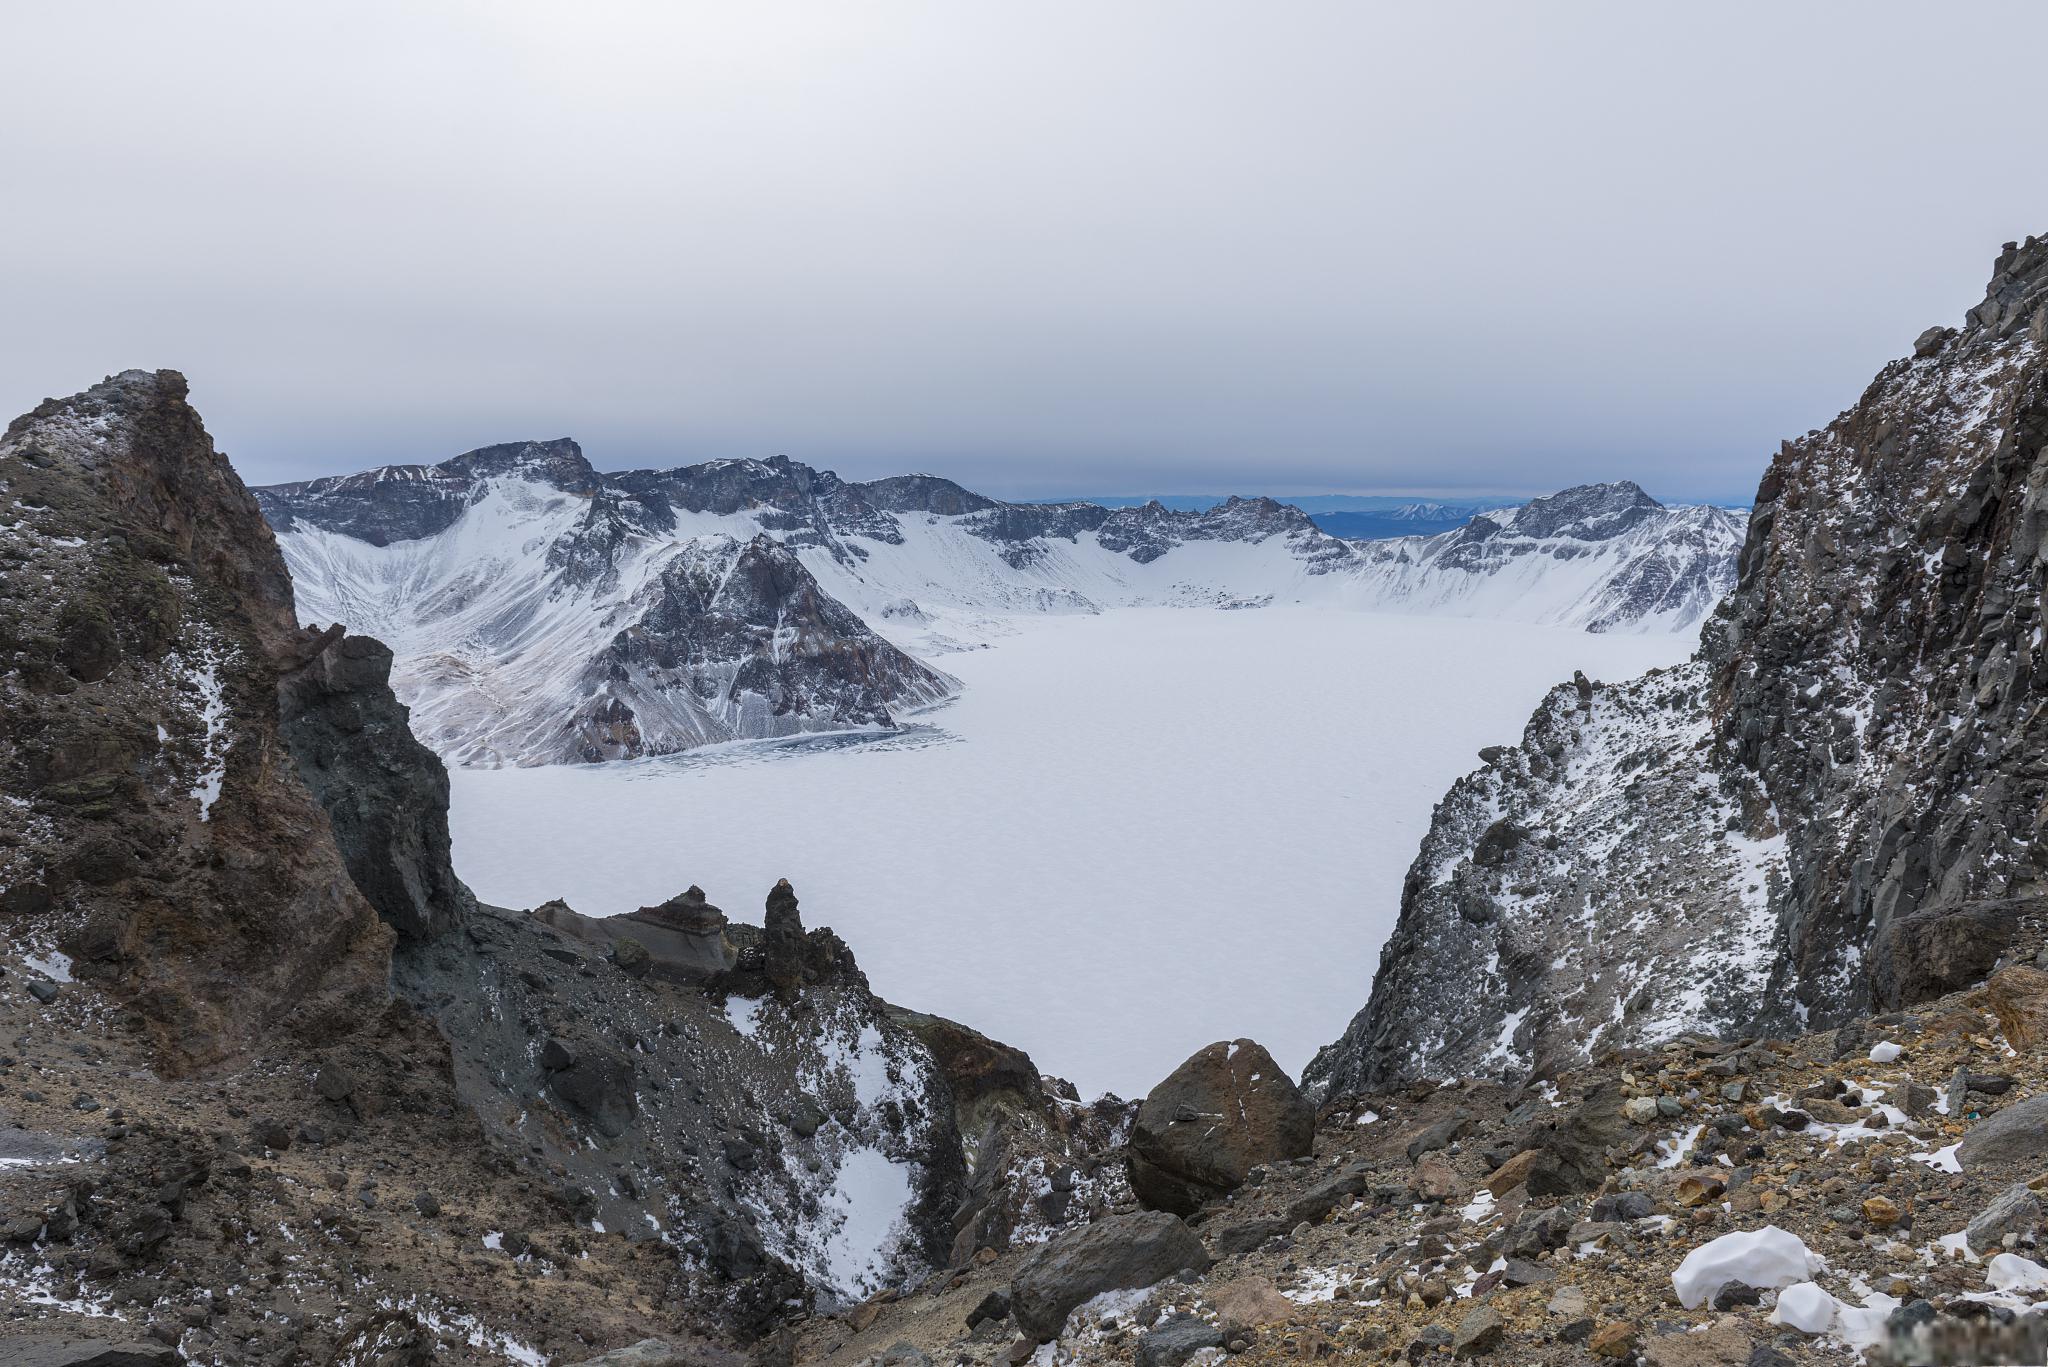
x: 1113, y: 246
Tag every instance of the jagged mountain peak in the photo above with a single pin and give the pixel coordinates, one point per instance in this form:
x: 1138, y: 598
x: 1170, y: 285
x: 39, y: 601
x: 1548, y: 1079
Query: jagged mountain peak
x: 558, y: 462
x: 1585, y: 512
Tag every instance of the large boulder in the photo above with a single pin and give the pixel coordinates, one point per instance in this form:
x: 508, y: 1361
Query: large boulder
x: 593, y: 1081
x: 2017, y: 1134
x: 1572, y: 1150
x: 1224, y: 1112
x: 1943, y: 948
x: 1121, y: 1253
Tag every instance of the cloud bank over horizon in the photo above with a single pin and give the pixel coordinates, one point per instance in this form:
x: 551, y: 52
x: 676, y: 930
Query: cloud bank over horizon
x: 1064, y: 248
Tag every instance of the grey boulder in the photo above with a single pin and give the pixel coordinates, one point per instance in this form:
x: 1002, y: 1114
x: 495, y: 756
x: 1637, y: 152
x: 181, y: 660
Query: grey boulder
x: 1120, y: 1253
x: 2017, y: 1134
x: 1227, y: 1110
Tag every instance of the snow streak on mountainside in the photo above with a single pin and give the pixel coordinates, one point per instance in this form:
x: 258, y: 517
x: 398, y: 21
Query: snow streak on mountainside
x: 1836, y: 807
x: 543, y: 612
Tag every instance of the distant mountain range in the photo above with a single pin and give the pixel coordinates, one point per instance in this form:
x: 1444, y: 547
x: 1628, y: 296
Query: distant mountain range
x: 543, y: 612
x: 1368, y: 517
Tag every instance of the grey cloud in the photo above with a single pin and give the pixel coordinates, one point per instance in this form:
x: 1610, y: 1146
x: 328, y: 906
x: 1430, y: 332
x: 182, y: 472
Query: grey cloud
x: 1153, y: 244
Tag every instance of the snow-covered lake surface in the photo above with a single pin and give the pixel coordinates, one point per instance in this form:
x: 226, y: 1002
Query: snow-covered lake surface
x: 1134, y: 834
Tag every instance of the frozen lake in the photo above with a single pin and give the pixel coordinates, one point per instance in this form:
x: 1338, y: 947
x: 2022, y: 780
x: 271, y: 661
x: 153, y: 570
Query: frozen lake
x: 1134, y: 834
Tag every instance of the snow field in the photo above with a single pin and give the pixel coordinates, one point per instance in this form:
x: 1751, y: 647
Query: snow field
x: 1134, y: 834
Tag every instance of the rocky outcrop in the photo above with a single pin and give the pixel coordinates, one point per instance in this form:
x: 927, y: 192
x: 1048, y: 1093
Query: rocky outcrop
x: 407, y: 502
x: 385, y: 794
x: 1835, y: 807
x: 148, y: 829
x: 1228, y: 1109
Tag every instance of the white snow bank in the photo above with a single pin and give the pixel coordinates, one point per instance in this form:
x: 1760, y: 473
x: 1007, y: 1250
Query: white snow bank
x: 1941, y: 1160
x: 2011, y: 1272
x: 1811, y: 1310
x: 865, y: 1210
x: 1885, y: 1052
x: 1762, y: 1258
x: 1805, y: 1307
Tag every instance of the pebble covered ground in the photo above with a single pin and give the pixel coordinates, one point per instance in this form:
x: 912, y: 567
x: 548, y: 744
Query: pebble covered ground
x: 1413, y: 1234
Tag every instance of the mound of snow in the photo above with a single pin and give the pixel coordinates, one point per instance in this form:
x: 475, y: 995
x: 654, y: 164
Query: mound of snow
x: 1763, y: 1258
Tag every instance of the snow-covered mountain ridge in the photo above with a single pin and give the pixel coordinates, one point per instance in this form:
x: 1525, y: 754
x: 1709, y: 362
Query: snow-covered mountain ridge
x: 544, y: 612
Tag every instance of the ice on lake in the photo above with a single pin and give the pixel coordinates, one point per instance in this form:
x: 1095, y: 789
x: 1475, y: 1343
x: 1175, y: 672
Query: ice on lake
x: 1132, y: 835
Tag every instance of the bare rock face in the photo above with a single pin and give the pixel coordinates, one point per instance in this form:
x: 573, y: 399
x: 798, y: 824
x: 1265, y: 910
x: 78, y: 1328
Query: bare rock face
x: 386, y: 795
x: 1835, y: 808
x: 1228, y: 1109
x: 145, y: 625
x: 736, y: 639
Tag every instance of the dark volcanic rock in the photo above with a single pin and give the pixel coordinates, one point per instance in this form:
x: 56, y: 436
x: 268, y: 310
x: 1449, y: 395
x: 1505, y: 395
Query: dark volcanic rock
x: 386, y: 795
x: 1118, y: 1253
x: 196, y: 874
x: 737, y: 639
x: 782, y: 940
x: 1225, y: 1111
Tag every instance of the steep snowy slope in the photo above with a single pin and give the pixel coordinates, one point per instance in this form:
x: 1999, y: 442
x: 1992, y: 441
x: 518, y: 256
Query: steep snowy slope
x: 1837, y: 807
x: 543, y: 612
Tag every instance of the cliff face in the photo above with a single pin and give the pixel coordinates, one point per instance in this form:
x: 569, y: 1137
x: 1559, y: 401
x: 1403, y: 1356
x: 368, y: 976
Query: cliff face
x: 1833, y: 808
x: 154, y: 828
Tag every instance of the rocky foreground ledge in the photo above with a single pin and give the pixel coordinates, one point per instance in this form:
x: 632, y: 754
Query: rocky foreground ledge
x: 1873, y: 1193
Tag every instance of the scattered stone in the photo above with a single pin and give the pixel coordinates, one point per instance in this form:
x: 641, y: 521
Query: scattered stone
x: 67, y: 1351
x: 1248, y: 1302
x: 1721, y: 1344
x: 1569, y: 1303
x: 994, y: 1306
x: 1481, y: 1331
x: 1434, y: 1179
x: 1612, y: 1341
x: 1513, y: 1173
x: 43, y: 990
x: 645, y: 1353
x: 1441, y: 1135
x: 1880, y: 1212
x: 334, y: 1082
